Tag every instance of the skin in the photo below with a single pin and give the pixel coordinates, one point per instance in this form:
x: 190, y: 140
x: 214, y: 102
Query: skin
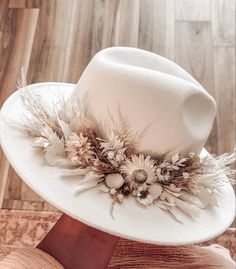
x: 78, y: 246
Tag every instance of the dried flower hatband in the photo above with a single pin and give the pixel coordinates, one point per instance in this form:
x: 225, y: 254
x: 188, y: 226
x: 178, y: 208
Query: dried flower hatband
x: 72, y: 142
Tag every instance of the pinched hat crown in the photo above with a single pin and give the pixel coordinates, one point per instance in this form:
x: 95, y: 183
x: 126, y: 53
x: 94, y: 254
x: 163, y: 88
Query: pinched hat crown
x: 150, y: 95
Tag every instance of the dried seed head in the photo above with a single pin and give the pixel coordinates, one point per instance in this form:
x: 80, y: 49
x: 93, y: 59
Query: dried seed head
x: 140, y: 176
x: 164, y: 171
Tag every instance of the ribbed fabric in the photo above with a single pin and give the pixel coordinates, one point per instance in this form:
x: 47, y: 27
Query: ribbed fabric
x: 189, y: 257
x: 144, y: 256
x: 29, y: 258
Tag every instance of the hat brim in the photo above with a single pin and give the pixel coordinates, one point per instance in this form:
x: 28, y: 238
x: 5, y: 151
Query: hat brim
x: 92, y: 207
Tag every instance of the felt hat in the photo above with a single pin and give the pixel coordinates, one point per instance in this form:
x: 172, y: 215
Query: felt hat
x: 123, y: 150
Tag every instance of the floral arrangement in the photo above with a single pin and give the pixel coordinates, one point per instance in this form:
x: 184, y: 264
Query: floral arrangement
x: 181, y: 184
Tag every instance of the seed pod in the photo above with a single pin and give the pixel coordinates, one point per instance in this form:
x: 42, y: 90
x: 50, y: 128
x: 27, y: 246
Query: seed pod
x: 139, y: 176
x: 114, y: 180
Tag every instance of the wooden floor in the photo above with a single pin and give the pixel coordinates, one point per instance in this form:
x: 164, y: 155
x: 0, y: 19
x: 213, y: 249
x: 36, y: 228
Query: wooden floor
x: 55, y: 39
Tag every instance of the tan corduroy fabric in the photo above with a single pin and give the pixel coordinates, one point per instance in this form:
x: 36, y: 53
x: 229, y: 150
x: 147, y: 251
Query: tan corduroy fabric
x: 29, y: 258
x: 144, y: 256
x: 213, y: 257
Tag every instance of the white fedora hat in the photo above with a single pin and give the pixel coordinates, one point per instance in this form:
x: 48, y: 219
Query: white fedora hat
x: 128, y: 137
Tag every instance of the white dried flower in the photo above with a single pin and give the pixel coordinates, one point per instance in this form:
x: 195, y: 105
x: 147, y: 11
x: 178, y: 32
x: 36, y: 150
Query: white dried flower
x: 191, y: 154
x: 145, y: 201
x: 186, y: 175
x: 163, y: 171
x: 79, y: 149
x: 178, y: 161
x: 146, y: 194
x: 139, y: 169
x: 114, y: 150
x: 142, y: 194
x: 120, y: 197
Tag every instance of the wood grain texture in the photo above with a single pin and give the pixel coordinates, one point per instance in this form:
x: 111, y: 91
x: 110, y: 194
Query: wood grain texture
x: 224, y: 66
x: 17, y: 36
x: 16, y: 39
x: 56, y: 39
x: 4, y: 169
x: 24, y: 3
x: 223, y: 23
x: 120, y: 29
x: 197, y: 10
x: 79, y: 44
x: 156, y: 30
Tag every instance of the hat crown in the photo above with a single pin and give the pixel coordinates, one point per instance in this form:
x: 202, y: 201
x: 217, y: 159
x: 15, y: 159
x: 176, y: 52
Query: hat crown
x: 149, y: 95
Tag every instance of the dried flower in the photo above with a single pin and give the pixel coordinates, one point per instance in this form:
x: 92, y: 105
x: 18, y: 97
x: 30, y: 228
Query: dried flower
x: 163, y: 171
x: 120, y: 197
x: 142, y: 195
x: 114, y: 150
x: 78, y: 149
x: 186, y: 175
x: 139, y: 169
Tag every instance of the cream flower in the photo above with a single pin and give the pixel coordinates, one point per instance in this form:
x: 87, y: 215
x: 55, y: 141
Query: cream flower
x: 142, y: 195
x: 114, y: 150
x: 163, y: 171
x: 79, y: 149
x: 139, y: 169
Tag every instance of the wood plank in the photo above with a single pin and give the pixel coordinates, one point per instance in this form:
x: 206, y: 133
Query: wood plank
x: 28, y: 205
x: 17, y: 37
x: 121, y: 23
x: 98, y: 25
x: 3, y: 13
x: 17, y: 34
x: 224, y: 63
x: 63, y: 51
x: 4, y: 169
x: 193, y: 48
x: 28, y: 194
x: 13, y: 188
x: 223, y: 23
x: 23, y: 205
x: 156, y: 27
x: 197, y: 10
x: 79, y: 44
x: 24, y: 3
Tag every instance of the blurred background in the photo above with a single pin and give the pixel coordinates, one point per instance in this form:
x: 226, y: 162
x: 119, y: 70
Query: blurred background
x: 55, y: 39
